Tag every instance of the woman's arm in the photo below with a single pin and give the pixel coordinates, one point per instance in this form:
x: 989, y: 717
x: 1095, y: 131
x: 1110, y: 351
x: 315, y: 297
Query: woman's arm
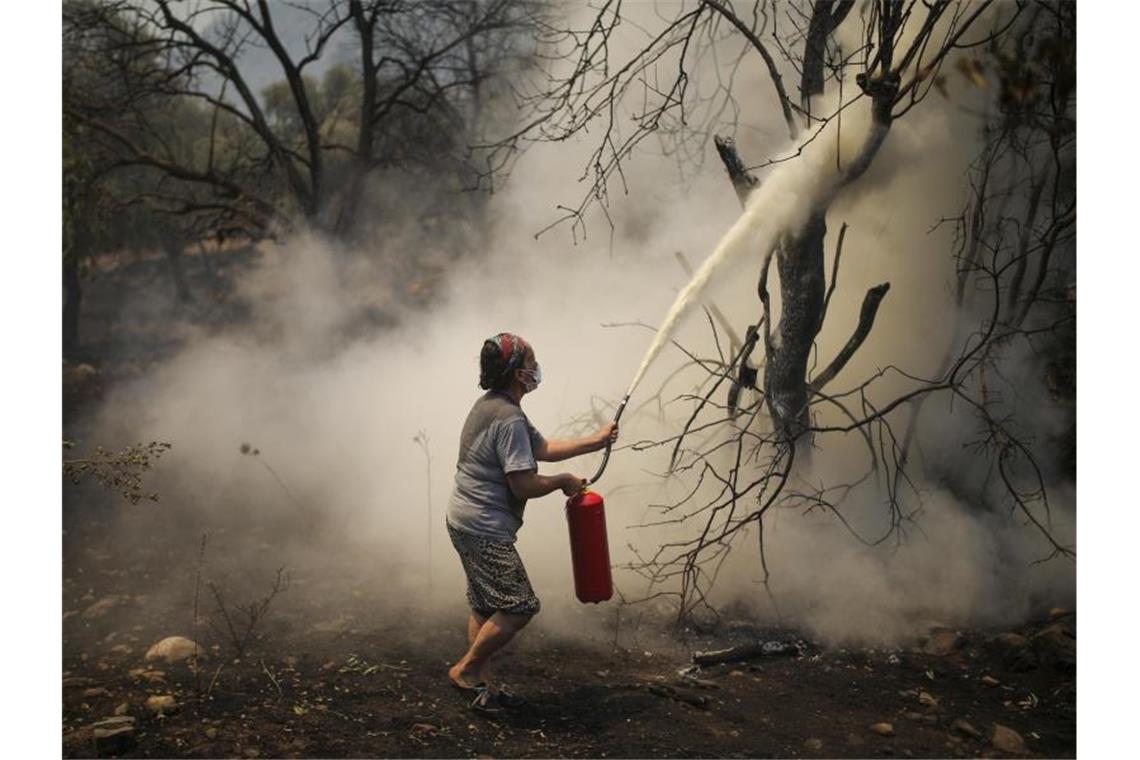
x: 528, y: 484
x: 556, y: 451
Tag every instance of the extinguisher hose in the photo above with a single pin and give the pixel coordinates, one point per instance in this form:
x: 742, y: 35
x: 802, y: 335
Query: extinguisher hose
x: 609, y: 445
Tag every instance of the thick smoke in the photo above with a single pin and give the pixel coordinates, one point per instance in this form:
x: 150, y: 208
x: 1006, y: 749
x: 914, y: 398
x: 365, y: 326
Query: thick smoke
x: 333, y: 409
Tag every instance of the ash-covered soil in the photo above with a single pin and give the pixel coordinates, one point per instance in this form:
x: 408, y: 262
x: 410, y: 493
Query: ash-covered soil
x: 339, y: 667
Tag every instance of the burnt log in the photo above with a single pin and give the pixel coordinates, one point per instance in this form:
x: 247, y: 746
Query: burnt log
x: 747, y: 652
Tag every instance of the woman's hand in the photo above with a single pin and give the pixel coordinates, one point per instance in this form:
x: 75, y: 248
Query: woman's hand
x: 606, y: 435
x: 571, y: 484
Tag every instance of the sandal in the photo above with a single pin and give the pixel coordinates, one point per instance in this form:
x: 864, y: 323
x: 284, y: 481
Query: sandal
x: 510, y: 700
x: 486, y: 701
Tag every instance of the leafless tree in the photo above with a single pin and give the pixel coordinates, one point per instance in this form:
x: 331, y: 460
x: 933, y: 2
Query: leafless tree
x: 904, y: 46
x: 1015, y: 248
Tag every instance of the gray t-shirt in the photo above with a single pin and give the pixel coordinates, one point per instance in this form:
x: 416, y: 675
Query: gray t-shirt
x: 496, y: 439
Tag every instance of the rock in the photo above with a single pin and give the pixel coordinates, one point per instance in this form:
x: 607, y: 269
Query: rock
x: 1056, y: 647
x: 1007, y: 740
x: 990, y: 681
x: 1059, y: 612
x: 963, y: 726
x: 162, y: 704
x: 174, y: 649
x: 113, y: 736
x: 883, y: 729
x: 102, y: 607
x: 813, y: 744
x: 121, y: 649
x: 152, y: 677
x: 122, y: 708
x: 942, y: 643
x: 918, y: 717
x: 1015, y: 652
x: 1009, y: 640
x: 928, y: 701
x: 94, y: 691
x: 211, y: 733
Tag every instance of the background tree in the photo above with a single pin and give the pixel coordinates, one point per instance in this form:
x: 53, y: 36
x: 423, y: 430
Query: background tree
x: 269, y: 159
x: 164, y: 121
x: 108, y: 204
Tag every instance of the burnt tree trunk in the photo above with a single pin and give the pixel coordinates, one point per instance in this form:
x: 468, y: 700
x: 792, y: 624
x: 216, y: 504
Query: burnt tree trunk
x: 787, y: 349
x: 800, y: 256
x: 348, y: 222
x: 800, y: 264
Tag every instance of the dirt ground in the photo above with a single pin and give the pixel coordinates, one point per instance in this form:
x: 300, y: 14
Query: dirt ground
x: 339, y: 669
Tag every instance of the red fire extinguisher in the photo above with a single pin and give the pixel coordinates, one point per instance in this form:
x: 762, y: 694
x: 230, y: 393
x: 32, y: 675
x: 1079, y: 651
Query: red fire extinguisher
x: 589, y: 547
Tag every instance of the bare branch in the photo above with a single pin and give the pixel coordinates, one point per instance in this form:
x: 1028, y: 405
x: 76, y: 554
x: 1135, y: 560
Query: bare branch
x: 867, y: 314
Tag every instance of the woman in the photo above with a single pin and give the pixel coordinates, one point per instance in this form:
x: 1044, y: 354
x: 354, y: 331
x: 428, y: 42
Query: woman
x: 497, y: 472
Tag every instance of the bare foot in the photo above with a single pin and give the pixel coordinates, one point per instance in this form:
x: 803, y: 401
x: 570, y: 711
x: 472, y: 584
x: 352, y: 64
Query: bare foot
x: 462, y: 679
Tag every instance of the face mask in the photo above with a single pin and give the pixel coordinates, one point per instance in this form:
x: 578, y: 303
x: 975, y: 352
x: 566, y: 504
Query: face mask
x: 535, y: 378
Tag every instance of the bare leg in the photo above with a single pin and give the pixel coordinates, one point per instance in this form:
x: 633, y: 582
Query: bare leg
x: 474, y: 623
x: 494, y: 634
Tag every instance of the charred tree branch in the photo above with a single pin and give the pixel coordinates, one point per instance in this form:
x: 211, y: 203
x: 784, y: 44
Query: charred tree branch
x: 743, y: 181
x: 866, y: 321
x: 769, y: 61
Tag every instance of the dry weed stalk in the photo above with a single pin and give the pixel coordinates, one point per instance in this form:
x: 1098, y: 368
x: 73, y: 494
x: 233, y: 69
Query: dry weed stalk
x: 240, y: 633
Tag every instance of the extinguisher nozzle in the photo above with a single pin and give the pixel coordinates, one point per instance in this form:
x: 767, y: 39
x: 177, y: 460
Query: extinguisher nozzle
x: 621, y: 408
x: 606, y: 456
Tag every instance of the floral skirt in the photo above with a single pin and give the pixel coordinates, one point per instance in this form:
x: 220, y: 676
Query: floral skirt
x: 496, y: 578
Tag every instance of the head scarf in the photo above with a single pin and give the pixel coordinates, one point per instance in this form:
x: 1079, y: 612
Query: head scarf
x: 512, y: 348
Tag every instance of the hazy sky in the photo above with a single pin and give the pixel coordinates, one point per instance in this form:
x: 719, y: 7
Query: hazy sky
x: 292, y: 22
